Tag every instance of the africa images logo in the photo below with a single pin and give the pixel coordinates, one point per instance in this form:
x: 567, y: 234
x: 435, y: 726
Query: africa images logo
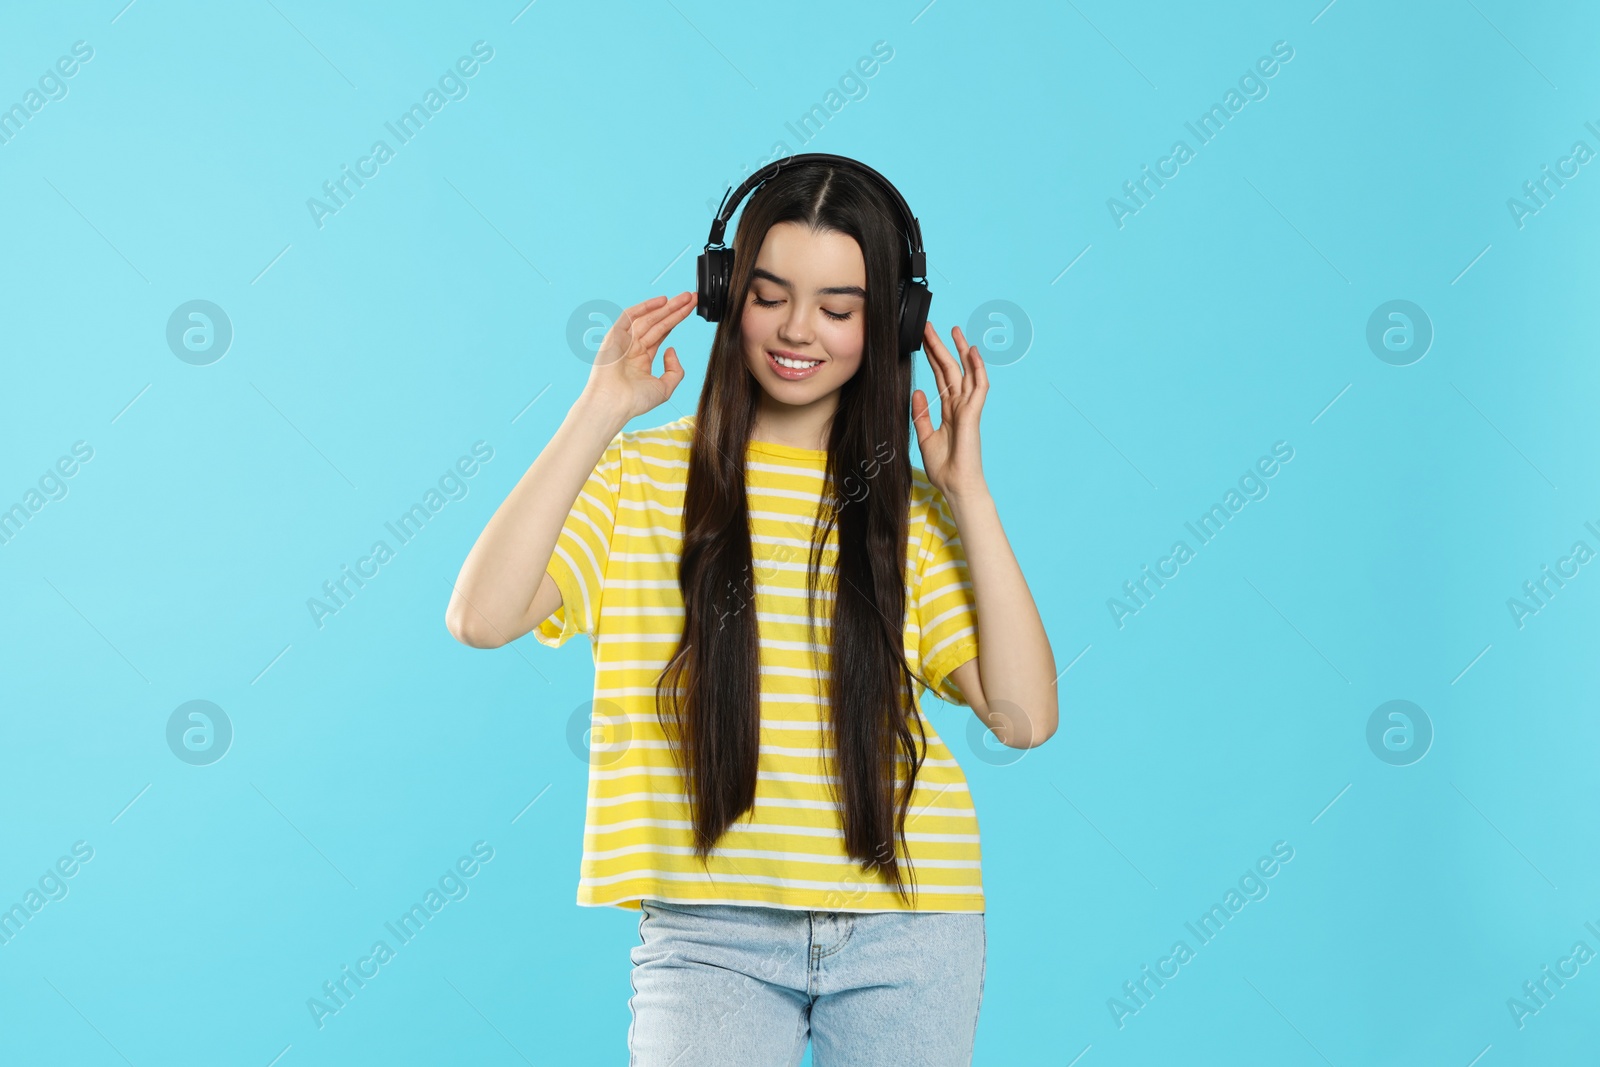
x: 1205, y: 128
x: 452, y: 86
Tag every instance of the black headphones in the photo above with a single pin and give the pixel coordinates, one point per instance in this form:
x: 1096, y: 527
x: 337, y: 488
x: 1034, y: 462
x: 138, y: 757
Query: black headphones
x: 714, y: 269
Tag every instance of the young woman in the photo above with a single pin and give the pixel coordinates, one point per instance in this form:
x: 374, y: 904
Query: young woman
x: 769, y: 585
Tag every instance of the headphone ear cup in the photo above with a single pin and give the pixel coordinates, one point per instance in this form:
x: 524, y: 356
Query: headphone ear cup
x: 915, y: 300
x: 713, y: 270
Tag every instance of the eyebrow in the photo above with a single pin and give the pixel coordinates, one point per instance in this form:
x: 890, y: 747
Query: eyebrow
x: 832, y: 290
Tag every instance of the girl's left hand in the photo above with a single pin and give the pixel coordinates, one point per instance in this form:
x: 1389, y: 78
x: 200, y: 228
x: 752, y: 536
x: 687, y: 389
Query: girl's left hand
x: 950, y: 454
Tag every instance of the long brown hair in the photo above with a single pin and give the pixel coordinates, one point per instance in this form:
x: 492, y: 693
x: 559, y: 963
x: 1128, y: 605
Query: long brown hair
x: 709, y: 694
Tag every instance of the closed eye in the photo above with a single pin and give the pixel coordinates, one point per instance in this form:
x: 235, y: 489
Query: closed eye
x: 774, y: 303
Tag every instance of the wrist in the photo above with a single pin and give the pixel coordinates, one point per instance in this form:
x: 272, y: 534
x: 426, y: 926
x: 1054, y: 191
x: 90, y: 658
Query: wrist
x: 596, y: 409
x: 966, y: 496
x: 970, y: 505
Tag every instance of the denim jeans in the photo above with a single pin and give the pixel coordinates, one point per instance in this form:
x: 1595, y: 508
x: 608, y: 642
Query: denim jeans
x: 738, y: 984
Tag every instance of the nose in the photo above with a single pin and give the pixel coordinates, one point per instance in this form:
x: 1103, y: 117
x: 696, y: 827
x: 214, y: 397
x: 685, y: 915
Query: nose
x: 793, y: 328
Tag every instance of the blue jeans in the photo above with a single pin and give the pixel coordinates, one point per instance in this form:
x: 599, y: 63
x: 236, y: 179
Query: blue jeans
x: 716, y: 985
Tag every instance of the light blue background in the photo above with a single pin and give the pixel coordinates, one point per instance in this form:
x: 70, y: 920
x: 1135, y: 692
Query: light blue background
x: 1228, y: 314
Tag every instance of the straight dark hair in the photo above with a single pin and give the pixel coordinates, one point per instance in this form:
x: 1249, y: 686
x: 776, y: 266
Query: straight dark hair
x: 709, y: 694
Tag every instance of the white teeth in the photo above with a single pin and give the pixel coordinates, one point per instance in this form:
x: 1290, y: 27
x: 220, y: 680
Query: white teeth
x: 795, y: 364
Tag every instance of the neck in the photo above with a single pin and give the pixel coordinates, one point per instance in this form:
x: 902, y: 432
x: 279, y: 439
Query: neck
x: 798, y: 426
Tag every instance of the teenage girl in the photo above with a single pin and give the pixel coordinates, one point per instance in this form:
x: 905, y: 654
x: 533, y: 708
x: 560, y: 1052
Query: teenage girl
x: 769, y: 585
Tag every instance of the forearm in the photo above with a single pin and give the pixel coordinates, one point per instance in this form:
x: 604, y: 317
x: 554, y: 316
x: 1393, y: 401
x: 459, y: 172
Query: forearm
x: 503, y: 571
x: 1016, y: 667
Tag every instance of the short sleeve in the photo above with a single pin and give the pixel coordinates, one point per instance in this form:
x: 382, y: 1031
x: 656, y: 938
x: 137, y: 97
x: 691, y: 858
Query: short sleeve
x: 582, y: 552
x: 946, y: 610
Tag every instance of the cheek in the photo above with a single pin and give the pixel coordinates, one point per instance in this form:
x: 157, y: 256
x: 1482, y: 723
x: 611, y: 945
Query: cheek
x: 845, y: 344
x: 757, y: 326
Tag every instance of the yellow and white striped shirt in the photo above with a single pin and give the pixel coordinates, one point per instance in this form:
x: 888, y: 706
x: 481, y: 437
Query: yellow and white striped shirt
x: 616, y: 564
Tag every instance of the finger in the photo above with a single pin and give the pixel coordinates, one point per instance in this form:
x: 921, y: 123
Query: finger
x: 939, y: 355
x: 658, y: 314
x: 644, y: 305
x: 968, y: 358
x: 921, y: 416
x: 672, y: 372
x: 977, y: 371
x: 674, y: 313
x: 935, y: 345
x: 939, y: 381
x: 931, y: 347
x: 980, y: 371
x: 644, y: 321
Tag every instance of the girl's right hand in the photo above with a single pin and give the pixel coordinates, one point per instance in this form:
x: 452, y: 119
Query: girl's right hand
x: 621, y: 376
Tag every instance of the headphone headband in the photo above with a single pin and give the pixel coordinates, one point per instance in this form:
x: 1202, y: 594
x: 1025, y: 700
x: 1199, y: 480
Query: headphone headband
x: 714, y: 268
x: 730, y: 202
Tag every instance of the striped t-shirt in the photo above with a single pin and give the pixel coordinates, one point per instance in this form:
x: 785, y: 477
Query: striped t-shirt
x: 616, y: 564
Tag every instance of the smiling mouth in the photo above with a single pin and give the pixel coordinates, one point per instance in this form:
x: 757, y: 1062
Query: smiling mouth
x: 792, y: 369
